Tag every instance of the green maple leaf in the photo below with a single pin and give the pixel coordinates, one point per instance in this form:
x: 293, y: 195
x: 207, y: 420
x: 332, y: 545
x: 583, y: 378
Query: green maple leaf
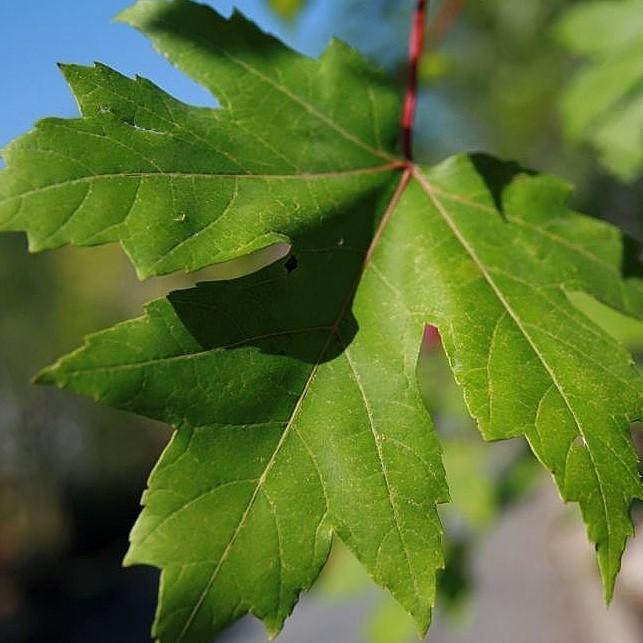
x: 293, y: 390
x: 604, y: 102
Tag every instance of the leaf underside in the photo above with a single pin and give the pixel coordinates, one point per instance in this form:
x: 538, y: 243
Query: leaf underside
x: 293, y: 390
x: 604, y: 102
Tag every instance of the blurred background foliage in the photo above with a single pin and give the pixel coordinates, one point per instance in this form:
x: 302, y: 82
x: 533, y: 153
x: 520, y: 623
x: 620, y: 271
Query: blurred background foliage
x: 520, y: 80
x: 603, y: 104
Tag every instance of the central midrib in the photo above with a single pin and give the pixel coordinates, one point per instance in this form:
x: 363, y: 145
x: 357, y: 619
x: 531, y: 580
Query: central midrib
x: 427, y: 188
x: 301, y: 176
x: 333, y: 332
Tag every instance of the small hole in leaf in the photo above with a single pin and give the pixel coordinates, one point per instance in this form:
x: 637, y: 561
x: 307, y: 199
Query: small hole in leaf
x: 291, y: 264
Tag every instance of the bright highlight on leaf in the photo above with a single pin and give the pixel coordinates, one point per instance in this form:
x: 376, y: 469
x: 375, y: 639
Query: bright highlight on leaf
x: 293, y: 390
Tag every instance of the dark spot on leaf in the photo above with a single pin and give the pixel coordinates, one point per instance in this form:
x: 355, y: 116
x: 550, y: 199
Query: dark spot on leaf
x: 291, y: 264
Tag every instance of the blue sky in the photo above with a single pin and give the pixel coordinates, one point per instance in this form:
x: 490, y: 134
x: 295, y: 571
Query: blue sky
x: 35, y: 34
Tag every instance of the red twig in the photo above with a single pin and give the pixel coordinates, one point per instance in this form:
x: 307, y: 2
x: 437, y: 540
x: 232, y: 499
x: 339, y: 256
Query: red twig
x: 416, y: 45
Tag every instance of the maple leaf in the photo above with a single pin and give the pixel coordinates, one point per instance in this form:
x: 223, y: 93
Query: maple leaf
x: 293, y: 390
x: 603, y: 104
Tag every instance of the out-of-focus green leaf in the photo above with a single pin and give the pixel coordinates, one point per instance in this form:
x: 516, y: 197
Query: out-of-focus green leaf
x: 343, y: 576
x: 470, y: 482
x: 287, y: 9
x: 390, y: 624
x: 626, y: 330
x: 604, y: 102
x: 434, y: 65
